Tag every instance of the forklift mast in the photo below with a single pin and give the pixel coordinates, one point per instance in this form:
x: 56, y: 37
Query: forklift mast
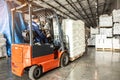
x: 60, y: 32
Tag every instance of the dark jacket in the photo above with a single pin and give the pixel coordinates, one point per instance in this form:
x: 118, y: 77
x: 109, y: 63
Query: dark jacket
x: 39, y: 37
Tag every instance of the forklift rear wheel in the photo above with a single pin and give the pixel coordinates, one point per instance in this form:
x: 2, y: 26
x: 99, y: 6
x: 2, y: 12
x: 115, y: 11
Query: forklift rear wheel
x: 64, y: 60
x: 35, y: 72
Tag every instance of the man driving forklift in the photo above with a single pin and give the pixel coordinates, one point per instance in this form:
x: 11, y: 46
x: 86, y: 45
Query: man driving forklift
x: 39, y: 36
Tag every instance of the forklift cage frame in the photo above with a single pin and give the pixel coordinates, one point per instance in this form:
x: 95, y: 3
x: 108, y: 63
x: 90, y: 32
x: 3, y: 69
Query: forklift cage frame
x: 17, y: 9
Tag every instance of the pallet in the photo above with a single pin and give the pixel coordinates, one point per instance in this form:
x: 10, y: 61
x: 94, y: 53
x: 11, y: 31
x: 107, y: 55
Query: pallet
x: 108, y: 49
x: 104, y: 49
x: 4, y: 57
x: 76, y: 57
x: 99, y: 49
x: 116, y: 50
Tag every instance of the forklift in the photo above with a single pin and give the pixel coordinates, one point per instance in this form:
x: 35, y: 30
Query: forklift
x: 33, y: 58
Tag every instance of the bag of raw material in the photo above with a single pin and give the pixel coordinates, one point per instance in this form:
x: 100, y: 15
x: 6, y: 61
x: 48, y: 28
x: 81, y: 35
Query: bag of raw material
x: 2, y: 47
x: 1, y: 35
x: 3, y: 50
x: 2, y: 40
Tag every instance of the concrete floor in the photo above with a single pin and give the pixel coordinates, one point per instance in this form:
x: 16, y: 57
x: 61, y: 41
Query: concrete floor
x: 92, y: 66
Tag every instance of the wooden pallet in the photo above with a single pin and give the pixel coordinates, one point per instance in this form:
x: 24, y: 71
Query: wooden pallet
x: 116, y: 50
x: 99, y: 49
x: 76, y: 57
x: 108, y: 49
x: 104, y: 49
x: 4, y: 57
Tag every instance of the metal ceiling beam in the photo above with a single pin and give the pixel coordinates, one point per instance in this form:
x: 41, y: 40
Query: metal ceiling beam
x: 91, y: 12
x: 97, y: 12
x: 81, y: 15
x: 100, y: 5
x: 97, y: 8
x: 108, y: 8
x: 85, y: 12
x: 58, y: 9
x: 104, y: 6
x: 92, y: 7
x: 72, y: 7
x: 75, y: 2
x: 66, y: 9
x: 75, y: 6
x: 87, y: 21
x: 90, y: 15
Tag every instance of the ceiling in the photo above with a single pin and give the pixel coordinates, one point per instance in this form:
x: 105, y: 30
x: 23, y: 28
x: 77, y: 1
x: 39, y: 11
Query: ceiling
x: 86, y: 10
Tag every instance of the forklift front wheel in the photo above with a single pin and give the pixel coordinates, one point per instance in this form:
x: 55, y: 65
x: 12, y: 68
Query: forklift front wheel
x: 64, y: 60
x: 35, y: 72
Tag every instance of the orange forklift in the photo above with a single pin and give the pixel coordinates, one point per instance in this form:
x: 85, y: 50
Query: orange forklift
x: 36, y: 59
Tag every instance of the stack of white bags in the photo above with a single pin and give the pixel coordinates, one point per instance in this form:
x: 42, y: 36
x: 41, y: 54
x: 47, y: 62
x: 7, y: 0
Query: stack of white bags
x: 91, y: 40
x: 116, y: 43
x: 103, y: 42
x: 116, y: 15
x: 75, y: 30
x: 105, y: 21
x: 2, y: 46
x: 116, y: 29
x: 106, y: 31
x: 100, y: 41
x: 94, y: 31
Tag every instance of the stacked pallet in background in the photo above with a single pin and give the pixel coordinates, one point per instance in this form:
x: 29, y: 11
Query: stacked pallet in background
x: 104, y: 43
x: 105, y: 21
x: 104, y: 40
x: 116, y: 43
x: 91, y: 40
x: 111, y: 29
x: 106, y: 31
x: 2, y: 46
x: 116, y: 15
x: 93, y: 32
x: 116, y: 20
x: 116, y: 29
x: 100, y: 41
x: 75, y: 30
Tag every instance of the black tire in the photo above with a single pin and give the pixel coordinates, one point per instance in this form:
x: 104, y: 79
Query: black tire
x: 35, y: 72
x: 64, y: 60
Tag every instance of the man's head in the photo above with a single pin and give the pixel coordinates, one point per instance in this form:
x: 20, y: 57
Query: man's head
x: 35, y: 19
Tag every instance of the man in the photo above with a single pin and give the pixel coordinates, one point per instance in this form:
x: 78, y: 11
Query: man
x: 38, y: 34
